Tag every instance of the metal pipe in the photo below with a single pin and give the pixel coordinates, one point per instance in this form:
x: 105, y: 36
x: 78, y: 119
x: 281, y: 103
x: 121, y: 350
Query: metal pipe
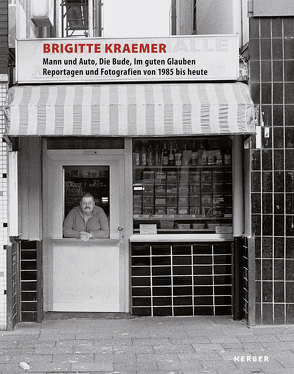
x: 237, y: 185
x: 90, y: 18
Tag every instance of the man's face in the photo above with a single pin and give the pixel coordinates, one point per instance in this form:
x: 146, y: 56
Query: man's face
x: 87, y: 205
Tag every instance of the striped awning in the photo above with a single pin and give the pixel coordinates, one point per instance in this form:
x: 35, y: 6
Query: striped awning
x: 130, y: 110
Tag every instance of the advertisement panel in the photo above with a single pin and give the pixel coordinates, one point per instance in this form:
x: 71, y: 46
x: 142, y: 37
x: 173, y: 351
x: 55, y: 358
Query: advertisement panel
x: 193, y: 58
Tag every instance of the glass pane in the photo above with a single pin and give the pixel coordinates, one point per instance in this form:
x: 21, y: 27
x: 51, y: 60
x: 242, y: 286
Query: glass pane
x: 81, y: 180
x: 182, y: 185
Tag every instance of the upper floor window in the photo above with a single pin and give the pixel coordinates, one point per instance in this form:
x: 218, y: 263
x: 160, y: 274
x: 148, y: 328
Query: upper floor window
x: 81, y: 18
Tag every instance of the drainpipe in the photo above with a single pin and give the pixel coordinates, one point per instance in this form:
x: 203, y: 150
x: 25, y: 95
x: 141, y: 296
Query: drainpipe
x: 238, y: 225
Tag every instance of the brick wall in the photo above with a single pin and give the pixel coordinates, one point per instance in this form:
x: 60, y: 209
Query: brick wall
x: 271, y: 48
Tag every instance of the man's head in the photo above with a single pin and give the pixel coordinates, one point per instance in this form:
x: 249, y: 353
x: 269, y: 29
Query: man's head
x: 87, y: 203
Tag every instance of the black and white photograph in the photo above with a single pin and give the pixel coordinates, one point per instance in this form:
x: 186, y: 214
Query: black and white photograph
x: 147, y: 186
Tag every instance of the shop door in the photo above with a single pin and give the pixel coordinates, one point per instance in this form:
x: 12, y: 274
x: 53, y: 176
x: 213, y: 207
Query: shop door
x: 84, y: 276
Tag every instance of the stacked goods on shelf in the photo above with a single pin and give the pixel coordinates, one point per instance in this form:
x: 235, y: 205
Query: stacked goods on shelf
x: 218, y: 193
x: 171, y: 192
x: 160, y: 200
x: 228, y: 194
x: 148, y: 192
x: 183, y: 196
x: 206, y: 193
x: 195, y: 193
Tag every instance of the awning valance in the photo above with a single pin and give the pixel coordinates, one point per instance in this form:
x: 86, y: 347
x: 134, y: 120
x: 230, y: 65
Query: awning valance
x: 130, y: 110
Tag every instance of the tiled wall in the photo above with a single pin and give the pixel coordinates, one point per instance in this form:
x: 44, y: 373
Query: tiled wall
x: 271, y: 50
x: 3, y: 210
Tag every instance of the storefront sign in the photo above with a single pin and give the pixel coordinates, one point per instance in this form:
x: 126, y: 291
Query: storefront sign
x: 195, y: 58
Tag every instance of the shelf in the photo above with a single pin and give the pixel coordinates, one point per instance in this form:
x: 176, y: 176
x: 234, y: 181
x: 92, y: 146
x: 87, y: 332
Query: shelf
x: 71, y: 177
x: 182, y: 230
x: 161, y: 167
x: 182, y: 218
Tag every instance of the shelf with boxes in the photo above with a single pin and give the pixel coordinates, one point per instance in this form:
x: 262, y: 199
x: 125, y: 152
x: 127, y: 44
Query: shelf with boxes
x: 183, y: 199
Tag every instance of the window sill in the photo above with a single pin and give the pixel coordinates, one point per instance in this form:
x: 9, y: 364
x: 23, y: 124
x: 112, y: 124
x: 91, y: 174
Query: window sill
x: 182, y: 238
x: 73, y: 241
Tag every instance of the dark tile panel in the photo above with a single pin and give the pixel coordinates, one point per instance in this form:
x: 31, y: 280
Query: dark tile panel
x: 267, y: 203
x: 266, y: 160
x: 256, y: 202
x: 289, y: 313
x: 257, y: 247
x: 290, y: 270
x: 267, y: 291
x: 254, y: 49
x: 289, y: 115
x: 265, y: 27
x: 278, y: 137
x: 289, y: 292
x: 279, y: 247
x: 277, y: 71
x: 267, y: 224
x: 265, y: 49
x: 279, y: 225
x: 290, y: 225
x: 279, y: 270
x: 278, y: 117
x: 258, y: 313
x: 279, y: 203
x: 290, y: 248
x: 255, y: 181
x: 276, y: 27
x: 254, y: 71
x: 258, y: 291
x: 279, y: 292
x: 267, y: 270
x: 289, y: 47
x: 254, y: 27
x: 289, y: 159
x: 267, y: 181
x: 266, y: 72
x: 279, y: 314
x: 255, y: 159
x: 267, y: 314
x: 290, y: 181
x: 289, y: 135
x: 279, y: 159
x: 279, y: 181
x: 289, y: 93
x: 267, y: 247
x: 290, y: 203
x: 288, y: 26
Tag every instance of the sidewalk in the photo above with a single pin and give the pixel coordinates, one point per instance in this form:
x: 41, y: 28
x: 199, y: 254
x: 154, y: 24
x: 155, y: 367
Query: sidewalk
x: 180, y: 345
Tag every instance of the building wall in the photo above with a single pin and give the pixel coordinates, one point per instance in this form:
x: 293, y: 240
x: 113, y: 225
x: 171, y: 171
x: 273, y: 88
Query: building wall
x: 3, y: 36
x: 271, y: 48
x: 3, y: 159
x: 3, y: 205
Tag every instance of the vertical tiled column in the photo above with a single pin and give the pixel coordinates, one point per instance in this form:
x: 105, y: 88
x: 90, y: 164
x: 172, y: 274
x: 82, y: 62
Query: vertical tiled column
x: 271, y: 48
x: 3, y: 206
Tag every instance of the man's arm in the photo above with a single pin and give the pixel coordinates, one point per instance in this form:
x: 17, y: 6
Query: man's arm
x: 104, y: 231
x: 68, y: 232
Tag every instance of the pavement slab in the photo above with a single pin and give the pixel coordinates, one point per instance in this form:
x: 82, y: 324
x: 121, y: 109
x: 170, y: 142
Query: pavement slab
x: 158, y: 345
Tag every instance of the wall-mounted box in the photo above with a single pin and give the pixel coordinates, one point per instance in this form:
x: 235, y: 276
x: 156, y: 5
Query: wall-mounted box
x: 42, y: 12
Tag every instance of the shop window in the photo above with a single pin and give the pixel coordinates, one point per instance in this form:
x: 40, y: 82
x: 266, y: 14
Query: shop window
x: 81, y: 180
x: 182, y: 185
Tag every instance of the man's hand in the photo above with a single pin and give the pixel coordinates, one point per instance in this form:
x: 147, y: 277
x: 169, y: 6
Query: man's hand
x: 85, y: 236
